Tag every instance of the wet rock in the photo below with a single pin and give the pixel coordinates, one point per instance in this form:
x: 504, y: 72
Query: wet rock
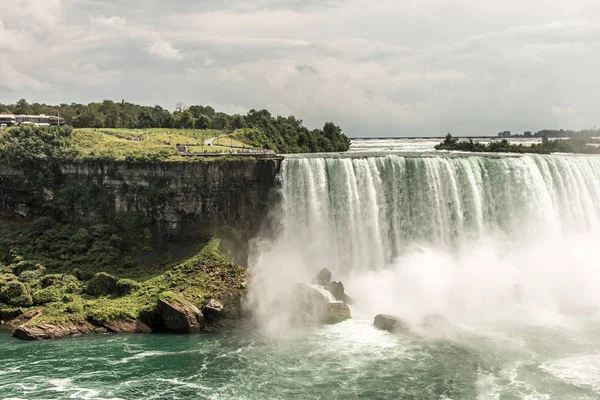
x: 324, y: 277
x: 337, y: 312
x: 153, y: 319
x: 338, y: 292
x: 437, y: 323
x: 127, y: 326
x: 312, y: 307
x: 213, y: 310
x: 390, y: 323
x: 179, y: 315
x: 49, y: 331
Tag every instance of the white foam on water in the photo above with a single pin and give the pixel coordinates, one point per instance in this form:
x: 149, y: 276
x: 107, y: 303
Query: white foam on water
x: 178, y: 382
x: 580, y: 370
x: 73, y: 392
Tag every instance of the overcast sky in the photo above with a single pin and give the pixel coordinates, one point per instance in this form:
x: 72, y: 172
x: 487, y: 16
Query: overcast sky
x: 374, y: 67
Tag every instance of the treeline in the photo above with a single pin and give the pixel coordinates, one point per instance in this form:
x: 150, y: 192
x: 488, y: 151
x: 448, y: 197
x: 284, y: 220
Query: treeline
x: 260, y: 128
x: 571, y: 145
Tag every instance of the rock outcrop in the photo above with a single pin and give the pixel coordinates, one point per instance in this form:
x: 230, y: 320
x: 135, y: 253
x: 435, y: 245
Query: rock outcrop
x: 49, y: 331
x: 179, y: 315
x: 312, y: 307
x: 337, y: 312
x: 213, y: 310
x: 390, y: 323
x: 339, y: 293
x: 127, y: 326
x: 324, y: 277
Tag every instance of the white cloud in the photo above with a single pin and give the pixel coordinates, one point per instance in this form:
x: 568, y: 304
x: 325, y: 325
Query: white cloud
x: 163, y: 49
x: 562, y: 111
x: 113, y: 21
x: 375, y: 67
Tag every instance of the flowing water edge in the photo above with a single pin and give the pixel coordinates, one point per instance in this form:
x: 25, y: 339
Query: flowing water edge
x: 504, y: 247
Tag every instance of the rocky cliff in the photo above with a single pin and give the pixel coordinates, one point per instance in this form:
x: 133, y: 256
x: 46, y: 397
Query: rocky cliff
x: 168, y: 199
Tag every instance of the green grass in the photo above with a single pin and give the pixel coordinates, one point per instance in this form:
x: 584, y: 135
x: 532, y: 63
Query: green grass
x: 228, y: 141
x: 118, y: 144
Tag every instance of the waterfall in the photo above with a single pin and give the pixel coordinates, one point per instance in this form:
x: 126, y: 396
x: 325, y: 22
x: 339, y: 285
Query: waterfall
x: 416, y: 221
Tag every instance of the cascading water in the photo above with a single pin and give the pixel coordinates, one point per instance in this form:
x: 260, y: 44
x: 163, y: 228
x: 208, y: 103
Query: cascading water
x: 470, y: 237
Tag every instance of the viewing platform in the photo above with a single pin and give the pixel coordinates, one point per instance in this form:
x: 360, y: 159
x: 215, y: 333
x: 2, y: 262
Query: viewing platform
x: 183, y: 150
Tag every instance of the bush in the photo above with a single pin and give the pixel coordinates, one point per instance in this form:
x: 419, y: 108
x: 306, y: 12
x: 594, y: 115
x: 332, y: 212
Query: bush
x: 75, y: 307
x: 83, y: 275
x: 69, y: 283
x: 30, y: 276
x: 27, y: 266
x: 102, y: 284
x: 16, y: 294
x: 50, y: 294
x: 127, y: 286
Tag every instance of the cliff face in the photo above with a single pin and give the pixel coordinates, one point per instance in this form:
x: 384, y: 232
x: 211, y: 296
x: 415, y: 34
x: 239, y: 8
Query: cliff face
x: 175, y: 199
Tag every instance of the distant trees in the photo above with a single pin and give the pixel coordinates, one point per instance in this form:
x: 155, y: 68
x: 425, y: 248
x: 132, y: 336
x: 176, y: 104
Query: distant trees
x: 257, y: 127
x: 22, y: 107
x: 185, y: 120
x: 571, y: 145
x: 203, y: 122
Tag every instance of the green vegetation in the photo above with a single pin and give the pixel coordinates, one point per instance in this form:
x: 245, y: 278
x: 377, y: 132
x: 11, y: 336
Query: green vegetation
x: 572, y: 145
x: 66, y: 299
x: 288, y: 135
x: 257, y: 128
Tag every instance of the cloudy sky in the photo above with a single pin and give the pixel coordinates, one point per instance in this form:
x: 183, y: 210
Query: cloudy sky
x: 375, y: 67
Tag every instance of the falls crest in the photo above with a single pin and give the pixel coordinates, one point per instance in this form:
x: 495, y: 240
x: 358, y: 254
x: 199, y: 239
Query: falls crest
x: 356, y: 214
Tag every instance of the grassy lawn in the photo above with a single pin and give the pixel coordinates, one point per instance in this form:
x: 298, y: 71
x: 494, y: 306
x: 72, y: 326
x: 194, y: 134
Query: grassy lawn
x: 120, y: 143
x: 227, y: 141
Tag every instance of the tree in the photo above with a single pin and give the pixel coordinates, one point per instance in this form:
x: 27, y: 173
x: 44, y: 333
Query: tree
x: 180, y: 107
x: 203, y: 122
x: 186, y: 120
x: 22, y: 107
x: 238, y: 122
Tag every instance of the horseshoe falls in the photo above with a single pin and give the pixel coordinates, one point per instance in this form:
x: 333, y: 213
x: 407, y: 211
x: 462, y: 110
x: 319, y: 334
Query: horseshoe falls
x: 505, y: 248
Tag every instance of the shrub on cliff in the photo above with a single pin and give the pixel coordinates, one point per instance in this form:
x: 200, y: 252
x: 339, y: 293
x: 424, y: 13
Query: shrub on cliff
x: 28, y: 271
x: 127, y: 286
x: 23, y: 266
x: 31, y: 276
x: 15, y: 293
x: 102, y: 284
x: 48, y: 295
x: 68, y: 283
x: 36, y: 143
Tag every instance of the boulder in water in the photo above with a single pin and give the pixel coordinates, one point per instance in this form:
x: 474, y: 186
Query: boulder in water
x: 390, y: 323
x: 179, y: 315
x: 312, y: 307
x: 337, y: 312
x: 437, y: 323
x: 126, y: 326
x: 324, y: 277
x: 49, y: 331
